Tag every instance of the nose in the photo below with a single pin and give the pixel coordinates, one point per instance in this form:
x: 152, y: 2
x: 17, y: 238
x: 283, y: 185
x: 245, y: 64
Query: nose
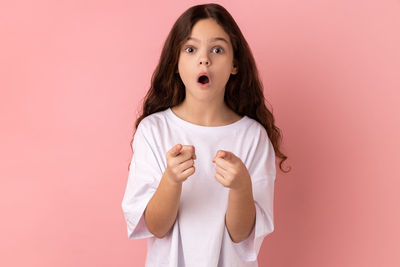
x: 204, y: 61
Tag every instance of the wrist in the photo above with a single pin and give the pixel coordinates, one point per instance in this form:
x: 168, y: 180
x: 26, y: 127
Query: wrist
x: 242, y: 191
x: 171, y: 182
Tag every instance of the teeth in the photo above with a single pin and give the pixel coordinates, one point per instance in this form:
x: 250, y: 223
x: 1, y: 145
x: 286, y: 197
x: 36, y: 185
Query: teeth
x: 203, y: 79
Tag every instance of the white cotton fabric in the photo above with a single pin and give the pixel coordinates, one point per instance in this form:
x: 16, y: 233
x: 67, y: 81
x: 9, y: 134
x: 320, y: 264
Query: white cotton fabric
x: 199, y: 236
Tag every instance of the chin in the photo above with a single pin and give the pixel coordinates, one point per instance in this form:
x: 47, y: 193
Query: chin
x: 205, y: 96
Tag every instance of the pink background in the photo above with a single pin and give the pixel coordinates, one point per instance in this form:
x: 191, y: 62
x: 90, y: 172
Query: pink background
x: 72, y: 74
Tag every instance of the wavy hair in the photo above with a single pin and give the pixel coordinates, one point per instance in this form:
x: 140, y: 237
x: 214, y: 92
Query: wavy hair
x: 243, y: 91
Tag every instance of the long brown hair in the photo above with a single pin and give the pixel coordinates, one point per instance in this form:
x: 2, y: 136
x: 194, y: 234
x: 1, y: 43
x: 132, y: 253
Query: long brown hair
x: 243, y: 91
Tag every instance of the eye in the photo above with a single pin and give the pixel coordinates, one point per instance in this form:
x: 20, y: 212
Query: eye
x: 189, y: 47
x: 220, y: 49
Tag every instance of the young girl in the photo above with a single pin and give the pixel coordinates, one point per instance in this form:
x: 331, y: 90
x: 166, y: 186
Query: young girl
x: 201, y: 179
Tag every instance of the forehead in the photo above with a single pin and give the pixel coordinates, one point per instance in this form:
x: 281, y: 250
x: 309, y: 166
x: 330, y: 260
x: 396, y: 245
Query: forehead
x: 208, y: 30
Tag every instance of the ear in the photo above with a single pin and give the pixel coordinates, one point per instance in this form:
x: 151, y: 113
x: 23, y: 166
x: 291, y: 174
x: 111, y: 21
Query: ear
x: 234, y: 69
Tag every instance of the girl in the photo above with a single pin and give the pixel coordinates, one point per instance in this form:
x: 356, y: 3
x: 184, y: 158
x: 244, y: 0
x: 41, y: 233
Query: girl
x: 201, y: 179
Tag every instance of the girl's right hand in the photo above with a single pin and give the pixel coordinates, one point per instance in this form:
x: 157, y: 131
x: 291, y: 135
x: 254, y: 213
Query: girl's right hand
x: 180, y: 160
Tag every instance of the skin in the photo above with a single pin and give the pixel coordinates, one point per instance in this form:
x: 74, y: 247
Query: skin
x: 204, y: 107
x: 241, y: 212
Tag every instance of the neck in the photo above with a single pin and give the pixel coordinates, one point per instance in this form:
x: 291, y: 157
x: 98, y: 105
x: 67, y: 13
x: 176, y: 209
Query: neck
x: 205, y: 113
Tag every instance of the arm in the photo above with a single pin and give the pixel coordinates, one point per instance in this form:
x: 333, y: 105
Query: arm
x: 241, y: 214
x: 162, y: 209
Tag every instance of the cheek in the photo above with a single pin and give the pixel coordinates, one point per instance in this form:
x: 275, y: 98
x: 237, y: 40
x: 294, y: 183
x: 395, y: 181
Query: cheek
x: 185, y: 72
x: 181, y: 67
x: 183, y: 63
x: 179, y: 64
x: 224, y: 75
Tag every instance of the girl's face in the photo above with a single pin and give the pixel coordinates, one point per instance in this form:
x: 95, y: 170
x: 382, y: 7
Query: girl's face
x: 209, y: 50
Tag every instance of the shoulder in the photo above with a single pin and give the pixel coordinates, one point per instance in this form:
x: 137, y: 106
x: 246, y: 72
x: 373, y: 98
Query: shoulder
x: 259, y: 137
x: 256, y: 129
x: 153, y: 122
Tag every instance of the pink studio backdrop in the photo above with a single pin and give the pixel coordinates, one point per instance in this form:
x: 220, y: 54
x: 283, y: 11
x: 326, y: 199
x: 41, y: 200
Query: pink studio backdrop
x: 73, y: 73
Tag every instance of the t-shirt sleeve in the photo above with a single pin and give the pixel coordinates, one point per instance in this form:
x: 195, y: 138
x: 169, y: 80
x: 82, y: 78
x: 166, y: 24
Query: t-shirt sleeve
x: 143, y: 180
x: 262, y: 170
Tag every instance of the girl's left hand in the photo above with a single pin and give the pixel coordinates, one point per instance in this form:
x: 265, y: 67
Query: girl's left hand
x: 231, y: 171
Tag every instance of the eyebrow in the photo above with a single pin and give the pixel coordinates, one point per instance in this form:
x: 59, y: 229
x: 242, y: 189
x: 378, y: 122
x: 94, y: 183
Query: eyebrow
x: 211, y: 41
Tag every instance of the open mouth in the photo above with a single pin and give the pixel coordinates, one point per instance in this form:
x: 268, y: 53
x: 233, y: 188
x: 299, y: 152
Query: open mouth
x: 203, y: 79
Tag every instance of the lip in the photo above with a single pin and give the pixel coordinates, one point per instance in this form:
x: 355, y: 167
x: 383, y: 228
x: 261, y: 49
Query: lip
x: 204, y: 85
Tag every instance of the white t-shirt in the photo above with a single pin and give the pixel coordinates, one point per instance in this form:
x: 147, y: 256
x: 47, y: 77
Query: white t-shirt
x: 199, y: 236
